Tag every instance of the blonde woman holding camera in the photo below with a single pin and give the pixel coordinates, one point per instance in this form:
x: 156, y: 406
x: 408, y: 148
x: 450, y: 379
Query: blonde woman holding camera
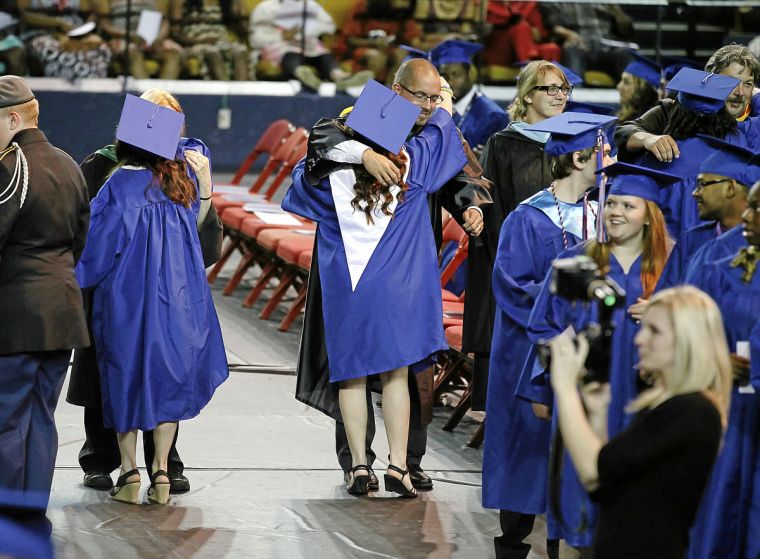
x: 648, y: 480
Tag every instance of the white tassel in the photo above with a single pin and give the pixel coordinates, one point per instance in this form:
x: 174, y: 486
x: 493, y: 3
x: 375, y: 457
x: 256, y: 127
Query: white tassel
x: 20, y: 176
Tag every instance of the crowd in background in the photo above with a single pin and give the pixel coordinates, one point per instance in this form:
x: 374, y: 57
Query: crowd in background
x: 263, y: 40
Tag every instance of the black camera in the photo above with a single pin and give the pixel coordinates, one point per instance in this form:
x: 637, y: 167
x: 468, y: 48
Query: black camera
x: 579, y: 279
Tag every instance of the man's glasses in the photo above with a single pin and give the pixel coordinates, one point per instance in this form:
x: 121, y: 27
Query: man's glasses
x: 702, y: 184
x: 421, y: 97
x: 553, y: 90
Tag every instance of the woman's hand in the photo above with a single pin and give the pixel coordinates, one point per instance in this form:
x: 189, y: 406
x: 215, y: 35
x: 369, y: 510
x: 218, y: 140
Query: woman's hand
x: 541, y: 411
x: 569, y: 354
x: 637, y: 309
x: 380, y: 167
x: 448, y: 95
x: 199, y: 163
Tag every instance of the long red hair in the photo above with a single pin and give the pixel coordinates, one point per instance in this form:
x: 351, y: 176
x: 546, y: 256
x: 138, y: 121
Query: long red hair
x: 656, y: 246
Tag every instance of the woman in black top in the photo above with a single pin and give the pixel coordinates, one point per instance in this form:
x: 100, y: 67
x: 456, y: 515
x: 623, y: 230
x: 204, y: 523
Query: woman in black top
x: 649, y: 479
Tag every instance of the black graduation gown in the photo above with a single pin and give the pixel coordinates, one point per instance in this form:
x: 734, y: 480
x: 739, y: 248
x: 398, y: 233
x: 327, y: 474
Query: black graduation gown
x: 313, y: 385
x: 518, y: 168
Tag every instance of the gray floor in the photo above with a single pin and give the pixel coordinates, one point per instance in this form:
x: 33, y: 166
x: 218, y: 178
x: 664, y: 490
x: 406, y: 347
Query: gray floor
x: 265, y: 482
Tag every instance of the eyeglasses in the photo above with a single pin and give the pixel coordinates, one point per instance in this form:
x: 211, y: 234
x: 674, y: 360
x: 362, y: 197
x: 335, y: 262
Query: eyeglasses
x: 702, y: 184
x: 553, y: 90
x: 421, y: 97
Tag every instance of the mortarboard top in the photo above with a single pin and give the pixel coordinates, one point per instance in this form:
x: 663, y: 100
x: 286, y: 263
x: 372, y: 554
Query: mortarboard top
x: 382, y: 116
x: 702, y: 92
x: 150, y: 127
x: 415, y: 53
x: 571, y: 131
x: 645, y: 68
x: 732, y: 161
x: 634, y: 180
x: 454, y: 51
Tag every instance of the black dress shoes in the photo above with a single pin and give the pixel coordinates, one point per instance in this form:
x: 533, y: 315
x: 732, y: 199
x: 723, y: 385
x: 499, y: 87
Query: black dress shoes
x: 178, y: 483
x: 420, y: 479
x: 98, y: 480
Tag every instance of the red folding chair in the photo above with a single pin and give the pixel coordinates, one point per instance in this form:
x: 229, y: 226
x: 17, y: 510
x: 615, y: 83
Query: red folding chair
x: 453, y: 233
x: 231, y: 210
x: 275, y: 134
x: 304, y: 263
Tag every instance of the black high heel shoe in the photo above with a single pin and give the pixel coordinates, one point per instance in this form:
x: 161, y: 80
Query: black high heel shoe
x: 360, y: 484
x: 396, y: 485
x: 158, y: 492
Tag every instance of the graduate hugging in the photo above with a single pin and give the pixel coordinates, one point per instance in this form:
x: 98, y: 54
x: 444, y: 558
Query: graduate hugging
x: 377, y: 268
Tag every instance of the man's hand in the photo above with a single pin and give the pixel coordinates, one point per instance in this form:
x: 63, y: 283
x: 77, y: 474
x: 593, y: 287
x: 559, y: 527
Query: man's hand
x: 662, y: 147
x: 473, y: 222
x: 380, y: 167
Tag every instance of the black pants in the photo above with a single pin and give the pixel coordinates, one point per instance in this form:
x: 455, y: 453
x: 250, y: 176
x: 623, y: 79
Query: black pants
x: 611, y: 60
x: 415, y: 448
x: 515, y: 527
x: 324, y: 64
x: 100, y: 452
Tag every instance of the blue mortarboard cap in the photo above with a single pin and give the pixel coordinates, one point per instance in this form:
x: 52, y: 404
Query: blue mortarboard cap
x: 732, y: 161
x: 572, y: 78
x: 702, y: 92
x: 415, y: 53
x: 571, y: 131
x: 150, y: 127
x: 382, y: 116
x: 634, y: 180
x: 645, y: 68
x: 671, y: 65
x: 588, y: 108
x: 454, y: 51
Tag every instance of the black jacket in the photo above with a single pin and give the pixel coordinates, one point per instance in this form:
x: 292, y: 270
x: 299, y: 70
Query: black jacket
x: 518, y: 168
x: 40, y: 243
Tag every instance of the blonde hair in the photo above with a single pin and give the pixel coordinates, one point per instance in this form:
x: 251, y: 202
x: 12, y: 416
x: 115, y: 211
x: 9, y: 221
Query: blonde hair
x: 702, y: 362
x: 163, y: 98
x: 28, y: 112
x: 528, y: 78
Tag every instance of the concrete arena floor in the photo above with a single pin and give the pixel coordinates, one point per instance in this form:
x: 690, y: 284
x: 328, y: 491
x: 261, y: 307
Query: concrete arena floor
x: 265, y: 481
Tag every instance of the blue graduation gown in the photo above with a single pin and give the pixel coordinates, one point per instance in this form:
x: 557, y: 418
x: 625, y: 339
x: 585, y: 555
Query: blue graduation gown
x: 726, y: 244
x: 394, y: 316
x: 677, y: 204
x: 516, y: 447
x: 689, y: 244
x: 482, y: 118
x: 550, y: 316
x: 722, y: 529
x: 159, y: 344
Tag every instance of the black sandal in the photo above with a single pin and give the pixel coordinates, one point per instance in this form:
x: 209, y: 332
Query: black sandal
x: 396, y: 485
x: 158, y: 492
x: 127, y: 492
x: 360, y: 484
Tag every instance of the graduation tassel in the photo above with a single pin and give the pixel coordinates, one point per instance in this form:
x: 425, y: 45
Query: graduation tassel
x: 601, y: 183
x: 20, y: 176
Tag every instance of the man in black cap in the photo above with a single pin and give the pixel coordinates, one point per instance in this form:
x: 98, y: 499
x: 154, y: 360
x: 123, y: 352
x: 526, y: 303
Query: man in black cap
x: 43, y: 223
